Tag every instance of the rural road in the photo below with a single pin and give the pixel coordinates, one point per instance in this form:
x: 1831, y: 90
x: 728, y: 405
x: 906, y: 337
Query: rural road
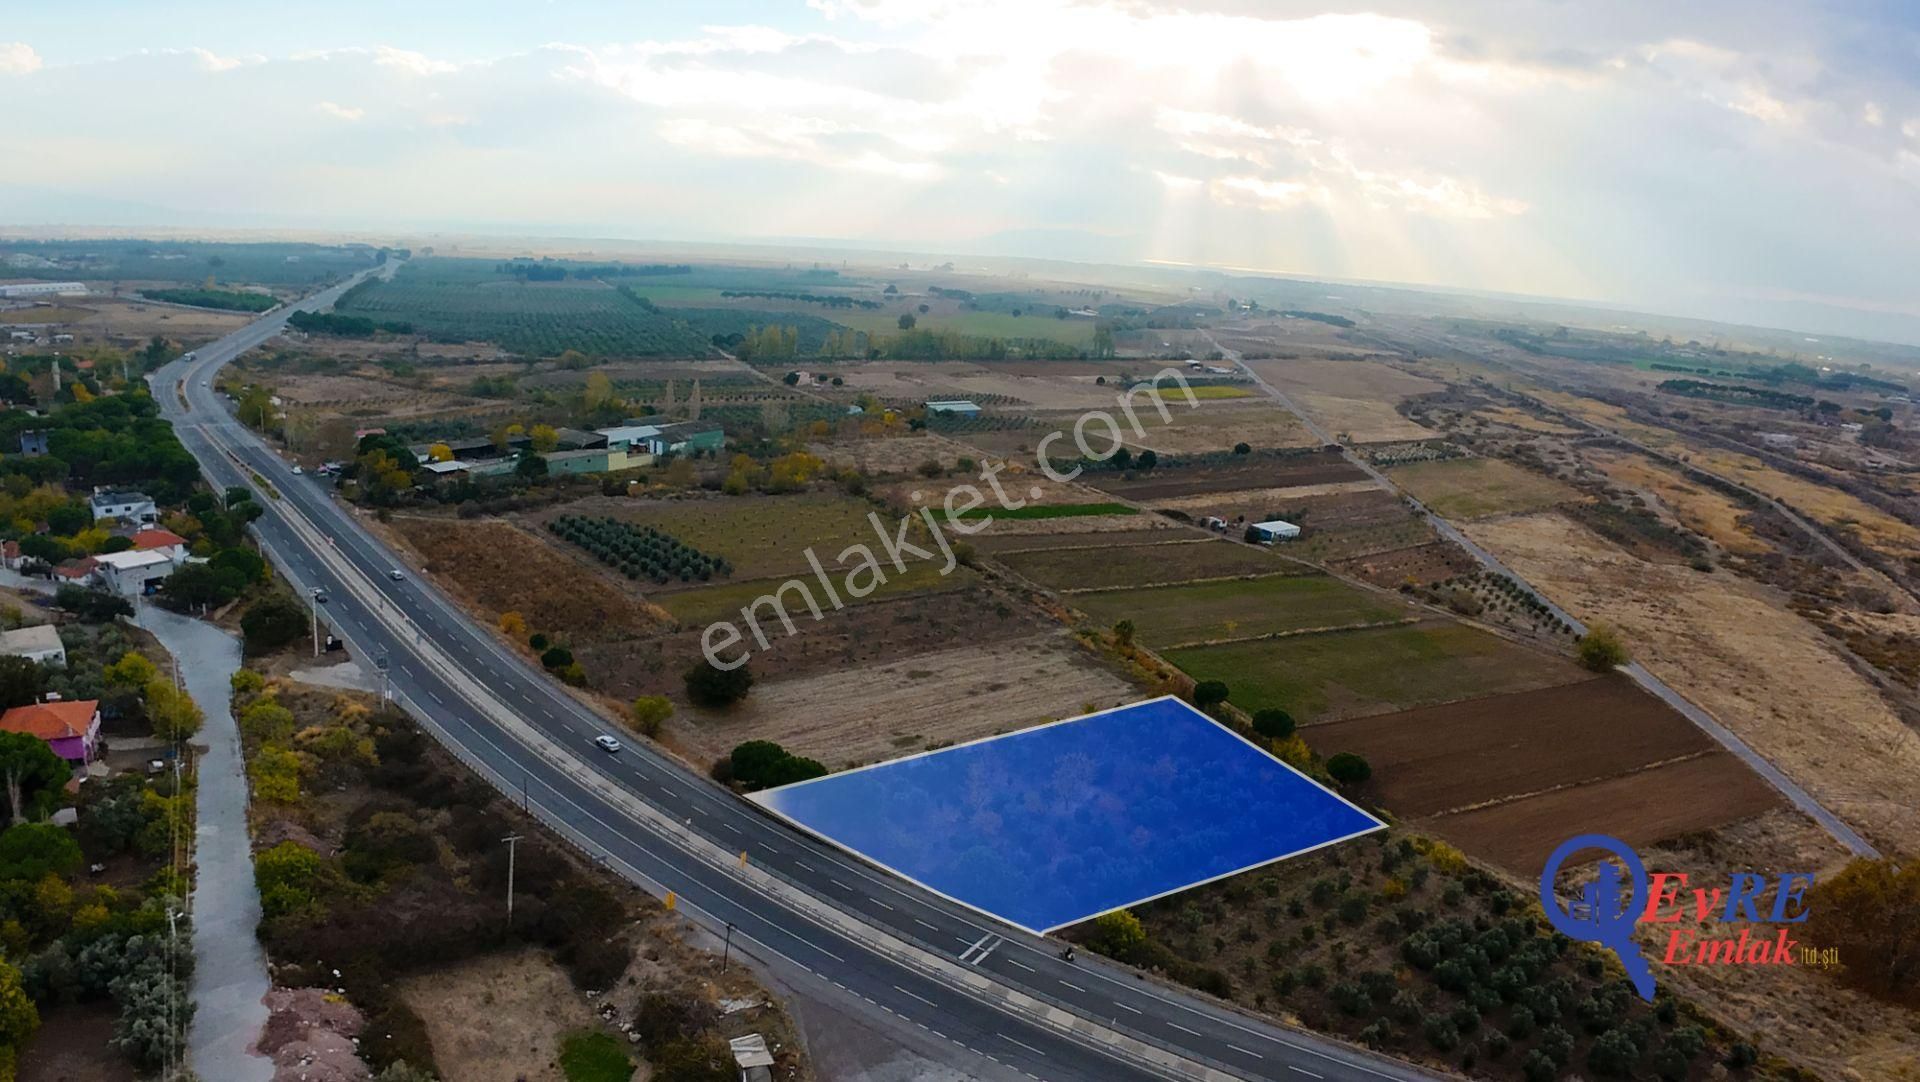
x: 1706, y: 722
x: 999, y: 1001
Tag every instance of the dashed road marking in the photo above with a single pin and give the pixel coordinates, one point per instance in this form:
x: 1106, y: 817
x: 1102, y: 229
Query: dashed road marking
x: 915, y: 995
x: 1245, y: 1052
x: 1022, y: 1044
x: 1184, y: 1029
x: 1304, y: 1071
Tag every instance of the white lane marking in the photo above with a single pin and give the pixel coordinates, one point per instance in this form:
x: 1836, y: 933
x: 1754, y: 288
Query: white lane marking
x: 1125, y: 1007
x: 1022, y: 965
x: 915, y: 995
x: 801, y: 863
x: 1184, y: 1029
x: 839, y: 884
x: 925, y: 925
x: 1304, y: 1071
x: 1022, y: 1044
x: 431, y: 694
x: 1244, y: 1052
x: 884, y: 905
x: 1074, y: 986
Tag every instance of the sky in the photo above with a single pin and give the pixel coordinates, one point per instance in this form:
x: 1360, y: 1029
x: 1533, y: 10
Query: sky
x: 1705, y: 158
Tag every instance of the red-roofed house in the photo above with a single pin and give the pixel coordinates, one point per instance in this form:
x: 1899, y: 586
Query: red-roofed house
x: 154, y: 539
x: 81, y: 571
x: 71, y: 729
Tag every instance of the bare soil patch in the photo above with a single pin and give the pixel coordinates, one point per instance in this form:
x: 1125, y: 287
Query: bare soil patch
x: 1136, y: 530
x: 71, y: 1046
x: 1639, y: 808
x: 913, y: 703
x: 500, y: 1017
x: 1241, y: 472
x: 1424, y: 565
x: 1217, y: 425
x: 856, y: 637
x: 1436, y: 759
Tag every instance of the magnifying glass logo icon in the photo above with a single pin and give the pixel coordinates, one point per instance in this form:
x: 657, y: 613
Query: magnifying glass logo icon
x: 1603, y: 912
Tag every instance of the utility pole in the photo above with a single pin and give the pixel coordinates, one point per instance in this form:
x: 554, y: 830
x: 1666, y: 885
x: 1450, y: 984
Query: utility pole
x: 726, y: 951
x: 512, y: 841
x: 313, y: 606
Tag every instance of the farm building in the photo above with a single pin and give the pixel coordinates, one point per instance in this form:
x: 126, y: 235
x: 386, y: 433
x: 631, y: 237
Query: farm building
x: 38, y: 643
x: 959, y: 407
x: 1268, y: 532
x: 41, y: 289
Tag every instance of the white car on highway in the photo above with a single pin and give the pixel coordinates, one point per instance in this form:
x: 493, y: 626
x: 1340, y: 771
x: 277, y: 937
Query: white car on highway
x: 606, y: 743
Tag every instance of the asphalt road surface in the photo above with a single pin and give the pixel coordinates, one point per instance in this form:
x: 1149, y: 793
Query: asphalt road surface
x: 434, y: 656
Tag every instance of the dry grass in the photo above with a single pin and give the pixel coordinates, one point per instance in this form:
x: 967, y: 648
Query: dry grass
x: 500, y: 568
x: 1355, y: 397
x: 1728, y: 645
x: 1830, y: 506
x: 1469, y: 488
x: 499, y: 1017
x: 1213, y: 426
x: 1700, y: 509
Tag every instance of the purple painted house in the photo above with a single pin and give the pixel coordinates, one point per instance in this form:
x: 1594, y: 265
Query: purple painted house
x: 72, y: 729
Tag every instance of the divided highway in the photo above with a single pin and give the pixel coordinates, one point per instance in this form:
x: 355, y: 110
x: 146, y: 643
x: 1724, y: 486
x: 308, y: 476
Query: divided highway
x: 1003, y: 999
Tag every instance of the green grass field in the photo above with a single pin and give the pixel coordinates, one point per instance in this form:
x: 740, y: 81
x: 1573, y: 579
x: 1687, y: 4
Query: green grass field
x: 1371, y: 670
x: 1221, y: 390
x: 593, y: 1056
x: 1477, y: 487
x: 1101, y: 566
x: 1237, y: 608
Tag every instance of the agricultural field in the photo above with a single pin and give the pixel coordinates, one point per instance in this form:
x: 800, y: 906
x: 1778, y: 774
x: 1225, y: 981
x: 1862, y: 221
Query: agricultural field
x: 1107, y: 534
x: 1169, y: 617
x: 1470, y: 488
x: 759, y: 536
x: 1226, y: 473
x: 706, y: 603
x: 500, y: 568
x: 854, y: 639
x: 125, y: 322
x: 295, y: 266
x: 1102, y: 566
x: 913, y: 703
x: 1661, y: 802
x: 1423, y: 565
x: 1216, y: 425
x: 1039, y: 385
x: 1340, y: 674
x: 1731, y: 646
x: 1353, y: 399
x: 1829, y: 506
x: 1038, y: 323
x: 536, y: 318
x: 891, y: 456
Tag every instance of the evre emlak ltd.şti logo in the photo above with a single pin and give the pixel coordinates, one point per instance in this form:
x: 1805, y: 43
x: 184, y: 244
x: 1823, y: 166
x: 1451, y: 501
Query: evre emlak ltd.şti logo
x: 1622, y: 895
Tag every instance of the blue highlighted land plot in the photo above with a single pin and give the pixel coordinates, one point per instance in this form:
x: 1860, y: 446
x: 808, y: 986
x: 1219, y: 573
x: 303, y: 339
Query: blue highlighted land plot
x: 1052, y: 825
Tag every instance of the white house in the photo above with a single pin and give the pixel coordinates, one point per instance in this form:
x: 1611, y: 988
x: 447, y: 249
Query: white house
x: 1268, y: 532
x: 39, y: 643
x: 133, y: 573
x: 123, y: 504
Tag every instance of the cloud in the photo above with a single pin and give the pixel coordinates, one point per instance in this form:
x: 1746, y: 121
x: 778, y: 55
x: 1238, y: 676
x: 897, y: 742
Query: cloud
x: 18, y: 58
x: 1624, y: 151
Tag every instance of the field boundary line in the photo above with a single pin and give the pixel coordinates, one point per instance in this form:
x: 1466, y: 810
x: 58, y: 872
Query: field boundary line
x: 1577, y: 783
x: 1295, y: 633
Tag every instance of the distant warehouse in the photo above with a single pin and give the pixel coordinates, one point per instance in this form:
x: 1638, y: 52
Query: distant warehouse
x: 1267, y: 533
x: 959, y: 407
x: 40, y: 289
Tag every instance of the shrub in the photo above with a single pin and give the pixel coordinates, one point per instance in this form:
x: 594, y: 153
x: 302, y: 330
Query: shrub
x: 246, y: 681
x: 1613, y: 1055
x: 1209, y: 693
x: 763, y: 764
x: 649, y: 713
x: 1119, y: 934
x: 1273, y: 723
x: 710, y: 686
x: 1539, y: 1067
x: 1440, y: 1031
x: 288, y: 876
x: 271, y: 623
x: 33, y: 851
x: 1348, y: 768
x: 1602, y: 649
x: 1351, y: 998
